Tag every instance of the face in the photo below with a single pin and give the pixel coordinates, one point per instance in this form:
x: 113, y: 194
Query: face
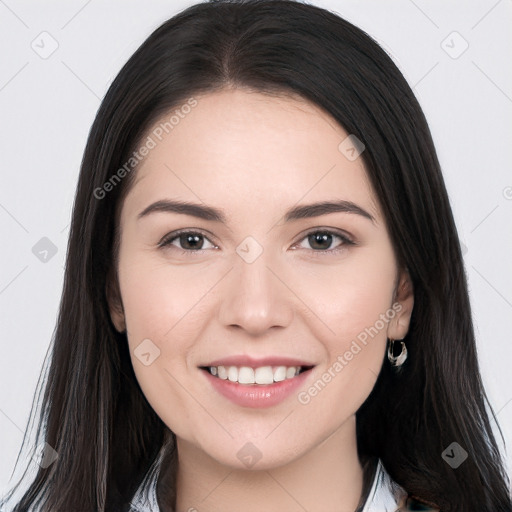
x: 260, y: 288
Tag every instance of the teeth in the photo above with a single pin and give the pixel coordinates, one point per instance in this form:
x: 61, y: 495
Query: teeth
x: 221, y: 372
x: 264, y: 375
x: 246, y: 375
x: 261, y: 375
x: 280, y: 374
x: 233, y: 373
x: 291, y: 372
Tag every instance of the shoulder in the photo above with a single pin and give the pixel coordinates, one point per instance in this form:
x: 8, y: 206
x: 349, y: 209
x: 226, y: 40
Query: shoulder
x: 387, y: 496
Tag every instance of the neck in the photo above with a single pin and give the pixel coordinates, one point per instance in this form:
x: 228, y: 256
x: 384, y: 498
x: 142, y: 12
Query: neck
x: 329, y: 477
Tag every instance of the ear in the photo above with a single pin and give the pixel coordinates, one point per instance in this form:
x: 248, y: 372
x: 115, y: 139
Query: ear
x: 114, y: 302
x: 402, y: 304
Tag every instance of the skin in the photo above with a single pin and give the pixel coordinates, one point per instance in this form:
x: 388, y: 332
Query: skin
x: 254, y: 156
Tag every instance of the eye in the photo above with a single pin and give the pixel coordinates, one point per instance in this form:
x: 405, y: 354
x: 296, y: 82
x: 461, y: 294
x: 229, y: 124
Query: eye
x: 321, y: 240
x: 189, y: 241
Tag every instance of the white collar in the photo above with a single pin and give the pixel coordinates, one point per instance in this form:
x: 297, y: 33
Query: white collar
x: 385, y: 495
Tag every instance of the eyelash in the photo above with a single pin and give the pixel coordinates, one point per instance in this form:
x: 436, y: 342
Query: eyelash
x: 346, y: 241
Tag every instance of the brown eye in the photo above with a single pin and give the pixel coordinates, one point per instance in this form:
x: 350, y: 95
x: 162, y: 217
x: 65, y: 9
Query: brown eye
x: 322, y: 241
x: 188, y: 241
x: 191, y: 241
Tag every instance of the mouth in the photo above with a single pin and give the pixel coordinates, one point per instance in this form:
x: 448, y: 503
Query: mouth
x: 257, y: 376
x: 257, y: 382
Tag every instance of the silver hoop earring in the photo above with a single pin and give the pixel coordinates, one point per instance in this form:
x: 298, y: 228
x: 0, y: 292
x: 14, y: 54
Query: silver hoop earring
x: 396, y: 361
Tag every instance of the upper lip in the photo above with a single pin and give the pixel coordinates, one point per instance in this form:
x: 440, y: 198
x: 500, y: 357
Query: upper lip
x: 256, y: 362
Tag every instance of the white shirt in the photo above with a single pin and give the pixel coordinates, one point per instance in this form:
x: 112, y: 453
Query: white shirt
x: 385, y: 496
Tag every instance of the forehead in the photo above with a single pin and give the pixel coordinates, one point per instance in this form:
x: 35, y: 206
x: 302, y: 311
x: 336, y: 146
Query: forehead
x: 240, y: 148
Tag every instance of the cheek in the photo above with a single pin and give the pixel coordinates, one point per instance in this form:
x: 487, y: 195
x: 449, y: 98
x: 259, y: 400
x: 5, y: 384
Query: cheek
x: 351, y: 297
x: 163, y: 304
x: 354, y: 306
x: 157, y: 297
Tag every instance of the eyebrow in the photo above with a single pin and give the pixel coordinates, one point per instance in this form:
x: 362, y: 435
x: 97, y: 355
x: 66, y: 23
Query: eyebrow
x: 205, y: 212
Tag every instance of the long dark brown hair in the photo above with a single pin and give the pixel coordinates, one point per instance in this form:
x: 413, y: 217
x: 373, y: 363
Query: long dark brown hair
x: 94, y: 414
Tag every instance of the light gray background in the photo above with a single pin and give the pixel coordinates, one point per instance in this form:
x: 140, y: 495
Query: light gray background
x: 48, y: 104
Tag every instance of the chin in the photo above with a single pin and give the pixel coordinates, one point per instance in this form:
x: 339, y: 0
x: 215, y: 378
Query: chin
x: 254, y: 455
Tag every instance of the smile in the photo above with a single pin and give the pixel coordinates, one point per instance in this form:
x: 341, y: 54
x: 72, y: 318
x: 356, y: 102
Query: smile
x: 256, y: 383
x: 263, y: 375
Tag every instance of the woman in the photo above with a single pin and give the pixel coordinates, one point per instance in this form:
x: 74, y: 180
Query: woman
x: 265, y: 305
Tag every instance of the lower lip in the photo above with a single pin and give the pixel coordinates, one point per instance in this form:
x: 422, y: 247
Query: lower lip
x: 257, y: 395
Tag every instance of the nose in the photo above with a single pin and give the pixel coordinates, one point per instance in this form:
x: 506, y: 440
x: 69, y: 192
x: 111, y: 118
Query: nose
x: 256, y: 297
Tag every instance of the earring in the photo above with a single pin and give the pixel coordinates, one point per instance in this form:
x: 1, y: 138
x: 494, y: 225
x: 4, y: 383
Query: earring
x: 396, y: 361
